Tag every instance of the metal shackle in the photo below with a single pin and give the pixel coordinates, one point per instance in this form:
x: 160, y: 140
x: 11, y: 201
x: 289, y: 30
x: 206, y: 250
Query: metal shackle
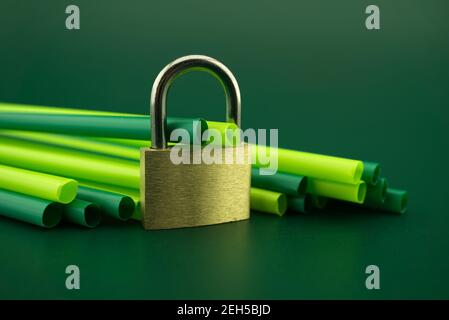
x: 180, y: 66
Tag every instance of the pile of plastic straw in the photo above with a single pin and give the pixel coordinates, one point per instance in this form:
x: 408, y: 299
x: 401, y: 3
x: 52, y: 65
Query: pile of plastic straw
x: 79, y: 165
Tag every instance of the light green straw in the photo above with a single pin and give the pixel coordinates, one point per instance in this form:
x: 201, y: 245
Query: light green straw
x: 295, y: 162
x: 121, y: 148
x: 26, y: 108
x: 38, y: 184
x: 77, y: 143
x: 290, y: 161
x: 69, y: 163
x: 268, y: 201
x: 311, y: 165
x: 335, y: 190
x: 136, y: 144
x: 33, y: 210
x: 124, y: 173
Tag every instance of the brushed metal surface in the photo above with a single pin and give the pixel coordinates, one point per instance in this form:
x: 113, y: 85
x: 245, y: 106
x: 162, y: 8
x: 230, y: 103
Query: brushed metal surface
x: 188, y: 195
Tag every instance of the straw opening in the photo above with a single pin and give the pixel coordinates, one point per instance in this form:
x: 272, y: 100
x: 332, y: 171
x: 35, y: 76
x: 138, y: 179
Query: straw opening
x: 361, y: 192
x: 126, y: 208
x: 92, y: 215
x: 302, y: 187
x: 52, y: 215
x: 67, y: 192
x: 281, y: 204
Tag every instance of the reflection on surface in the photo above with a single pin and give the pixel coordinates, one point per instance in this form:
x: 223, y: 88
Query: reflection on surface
x: 292, y: 257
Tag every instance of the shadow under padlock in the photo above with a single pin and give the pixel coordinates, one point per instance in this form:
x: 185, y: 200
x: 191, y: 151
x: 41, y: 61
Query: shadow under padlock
x: 189, y: 195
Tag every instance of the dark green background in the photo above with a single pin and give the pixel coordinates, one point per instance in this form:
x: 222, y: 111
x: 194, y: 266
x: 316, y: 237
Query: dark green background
x: 309, y: 68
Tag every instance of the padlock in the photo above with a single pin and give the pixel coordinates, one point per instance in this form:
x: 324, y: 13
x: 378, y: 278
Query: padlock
x: 190, y: 194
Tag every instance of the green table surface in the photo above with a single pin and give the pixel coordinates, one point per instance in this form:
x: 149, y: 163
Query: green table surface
x: 308, y: 68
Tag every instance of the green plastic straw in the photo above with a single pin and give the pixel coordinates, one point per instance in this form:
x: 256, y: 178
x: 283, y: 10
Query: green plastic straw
x: 134, y: 194
x: 112, y: 204
x: 86, y: 166
x: 83, y: 213
x: 300, y: 204
x: 20, y: 108
x: 222, y: 127
x: 261, y: 200
x: 33, y: 210
x: 227, y: 132
x: 312, y: 165
x: 69, y: 163
x: 395, y: 201
x: 376, y: 194
x: 289, y: 184
x: 136, y: 144
x: 122, y: 148
x: 131, y: 193
x: 290, y: 161
x: 26, y: 108
x: 128, y: 127
x: 78, y: 143
x: 335, y: 190
x: 371, y: 172
x: 268, y: 201
x: 318, y: 202
x: 38, y: 184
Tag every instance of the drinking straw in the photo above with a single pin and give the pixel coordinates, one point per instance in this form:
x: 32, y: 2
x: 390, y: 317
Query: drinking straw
x: 371, y: 172
x: 112, y: 204
x: 292, y: 185
x: 261, y: 200
x: 134, y: 194
x: 38, y: 184
x: 395, y: 201
x: 290, y: 161
x: 131, y: 193
x: 84, y: 166
x: 33, y: 210
x: 335, y: 190
x: 20, y: 108
x: 69, y: 163
x: 376, y: 194
x: 137, y: 144
x: 300, y: 204
x: 128, y: 127
x: 122, y: 148
x: 311, y: 165
x: 228, y: 132
x: 268, y: 201
x: 318, y: 202
x: 83, y: 213
x: 26, y: 108
x: 77, y: 143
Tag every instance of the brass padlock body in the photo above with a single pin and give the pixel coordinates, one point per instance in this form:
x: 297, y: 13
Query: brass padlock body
x: 188, y: 195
